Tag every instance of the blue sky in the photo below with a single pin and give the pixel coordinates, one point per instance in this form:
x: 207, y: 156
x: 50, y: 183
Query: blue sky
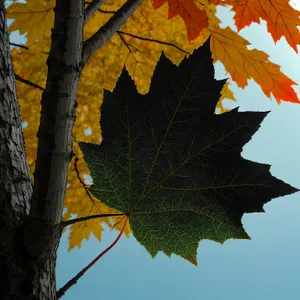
x: 266, y: 267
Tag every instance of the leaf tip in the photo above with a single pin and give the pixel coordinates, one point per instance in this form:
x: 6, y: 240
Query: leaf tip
x: 193, y: 260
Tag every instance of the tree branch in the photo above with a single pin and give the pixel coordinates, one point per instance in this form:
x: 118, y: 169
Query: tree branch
x: 28, y: 82
x: 91, y: 45
x: 103, y: 11
x: 152, y: 40
x: 106, y: 11
x: 93, y: 6
x: 81, y: 219
x: 42, y: 228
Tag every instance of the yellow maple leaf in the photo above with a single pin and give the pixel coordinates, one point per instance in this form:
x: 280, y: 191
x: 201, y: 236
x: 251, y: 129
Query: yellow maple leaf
x: 226, y: 93
x: 35, y: 17
x: 82, y: 230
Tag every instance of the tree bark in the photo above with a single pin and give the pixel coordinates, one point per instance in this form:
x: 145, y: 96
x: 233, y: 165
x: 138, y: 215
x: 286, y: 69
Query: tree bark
x: 17, y: 275
x: 55, y: 131
x: 30, y: 217
x: 103, y: 34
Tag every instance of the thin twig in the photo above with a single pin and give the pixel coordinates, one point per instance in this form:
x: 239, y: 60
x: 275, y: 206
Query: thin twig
x: 97, y: 40
x: 81, y: 181
x: 73, y: 221
x: 93, y: 6
x: 103, y: 11
x: 69, y: 222
x: 81, y: 219
x: 152, y: 40
x: 28, y: 82
x: 74, y: 280
x: 130, y: 52
x: 25, y: 47
x: 125, y: 33
x: 107, y: 11
x: 127, y: 44
x: 19, y: 45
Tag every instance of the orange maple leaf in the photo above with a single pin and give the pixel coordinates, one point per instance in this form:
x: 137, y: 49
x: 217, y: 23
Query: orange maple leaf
x: 216, y: 2
x: 242, y: 64
x: 282, y: 19
x: 194, y: 18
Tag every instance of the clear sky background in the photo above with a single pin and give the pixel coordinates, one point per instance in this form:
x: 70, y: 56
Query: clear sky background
x: 265, y: 267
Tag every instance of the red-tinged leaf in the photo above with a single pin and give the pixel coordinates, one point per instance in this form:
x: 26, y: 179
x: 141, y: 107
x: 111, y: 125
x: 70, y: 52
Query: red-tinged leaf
x: 194, y: 18
x: 243, y: 64
x: 282, y: 19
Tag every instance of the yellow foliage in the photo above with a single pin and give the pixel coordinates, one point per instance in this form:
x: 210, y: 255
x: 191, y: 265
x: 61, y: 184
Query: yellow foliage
x: 226, y: 93
x: 35, y: 18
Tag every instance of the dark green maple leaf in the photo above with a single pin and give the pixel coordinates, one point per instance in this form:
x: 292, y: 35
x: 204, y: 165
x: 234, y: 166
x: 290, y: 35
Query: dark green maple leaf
x: 174, y: 166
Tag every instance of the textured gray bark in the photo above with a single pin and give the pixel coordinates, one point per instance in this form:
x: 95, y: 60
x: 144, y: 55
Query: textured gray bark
x: 30, y: 216
x: 55, y: 132
x: 90, y: 10
x: 20, y: 278
x: 30, y: 222
x: 15, y: 181
x: 97, y: 40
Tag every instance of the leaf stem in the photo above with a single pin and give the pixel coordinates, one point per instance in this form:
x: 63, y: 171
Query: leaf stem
x: 74, y: 280
x: 81, y: 219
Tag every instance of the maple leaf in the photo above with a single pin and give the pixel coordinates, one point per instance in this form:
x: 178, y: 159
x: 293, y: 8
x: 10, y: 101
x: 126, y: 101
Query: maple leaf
x: 242, y: 64
x: 216, y: 2
x: 194, y: 17
x: 282, y: 19
x: 172, y: 165
x: 226, y: 93
x: 36, y: 18
x: 82, y: 230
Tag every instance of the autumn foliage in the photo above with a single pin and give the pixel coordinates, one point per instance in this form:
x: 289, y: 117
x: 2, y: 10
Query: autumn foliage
x: 177, y: 27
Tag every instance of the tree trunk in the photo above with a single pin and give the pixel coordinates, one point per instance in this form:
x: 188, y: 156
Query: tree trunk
x: 20, y: 278
x: 30, y: 217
